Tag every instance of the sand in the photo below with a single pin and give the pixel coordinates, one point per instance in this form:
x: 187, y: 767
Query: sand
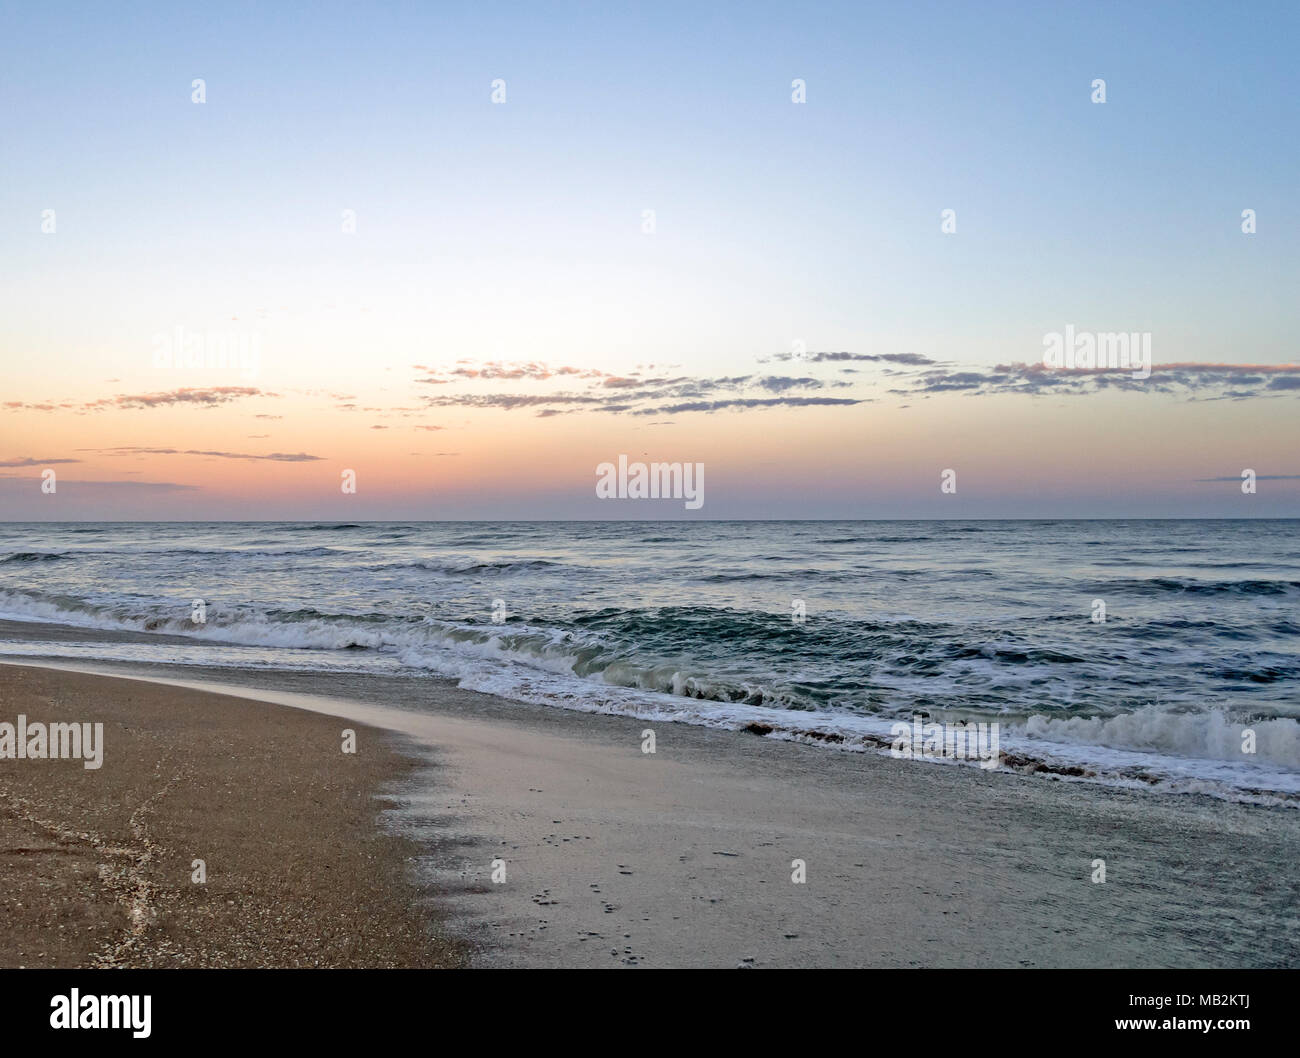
x: 684, y: 857
x: 97, y: 865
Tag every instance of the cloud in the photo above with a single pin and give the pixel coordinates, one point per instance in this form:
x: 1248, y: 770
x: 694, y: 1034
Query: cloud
x: 1188, y: 380
x: 277, y: 457
x: 740, y: 403
x: 907, y: 359
x: 908, y: 375
x: 649, y: 396
x: 1236, y: 478
x: 27, y: 461
x: 141, y: 486
x: 20, y: 405
x: 508, y: 401
x: 497, y: 370
x: 209, y: 397
x: 780, y: 385
x: 638, y: 394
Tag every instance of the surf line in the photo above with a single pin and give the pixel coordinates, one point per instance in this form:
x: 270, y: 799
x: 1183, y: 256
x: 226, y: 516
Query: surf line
x: 964, y: 741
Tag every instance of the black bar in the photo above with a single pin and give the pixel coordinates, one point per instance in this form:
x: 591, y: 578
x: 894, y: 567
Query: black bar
x: 1039, y: 1008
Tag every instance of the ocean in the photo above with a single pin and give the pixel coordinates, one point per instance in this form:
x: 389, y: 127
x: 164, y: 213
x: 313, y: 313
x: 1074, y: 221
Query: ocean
x: 1143, y: 653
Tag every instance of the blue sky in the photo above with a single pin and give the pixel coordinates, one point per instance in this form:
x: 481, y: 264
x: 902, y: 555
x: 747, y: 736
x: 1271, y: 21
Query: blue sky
x: 512, y: 232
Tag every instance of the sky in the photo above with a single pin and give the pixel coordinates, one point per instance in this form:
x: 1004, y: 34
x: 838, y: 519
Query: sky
x: 471, y: 252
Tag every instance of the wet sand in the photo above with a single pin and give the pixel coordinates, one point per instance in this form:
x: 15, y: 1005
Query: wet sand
x: 684, y: 857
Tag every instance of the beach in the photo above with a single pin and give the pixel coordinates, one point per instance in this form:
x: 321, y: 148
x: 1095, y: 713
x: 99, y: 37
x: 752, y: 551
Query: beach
x: 603, y: 855
x: 98, y: 864
x: 702, y: 486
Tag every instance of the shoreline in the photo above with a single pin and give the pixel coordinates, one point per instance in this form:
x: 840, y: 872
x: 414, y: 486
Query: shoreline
x: 684, y: 857
x: 1089, y: 761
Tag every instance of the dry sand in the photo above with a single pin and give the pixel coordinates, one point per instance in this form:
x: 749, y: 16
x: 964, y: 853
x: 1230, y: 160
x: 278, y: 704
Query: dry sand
x: 96, y: 865
x: 684, y: 857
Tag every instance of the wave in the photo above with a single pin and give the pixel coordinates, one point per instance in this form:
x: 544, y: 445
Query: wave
x: 607, y: 660
x: 193, y: 552
x: 326, y: 527
x: 1205, y: 735
x: 286, y: 552
x: 1183, y: 585
x: 470, y: 567
x: 797, y: 574
x: 31, y: 556
x: 895, y: 540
